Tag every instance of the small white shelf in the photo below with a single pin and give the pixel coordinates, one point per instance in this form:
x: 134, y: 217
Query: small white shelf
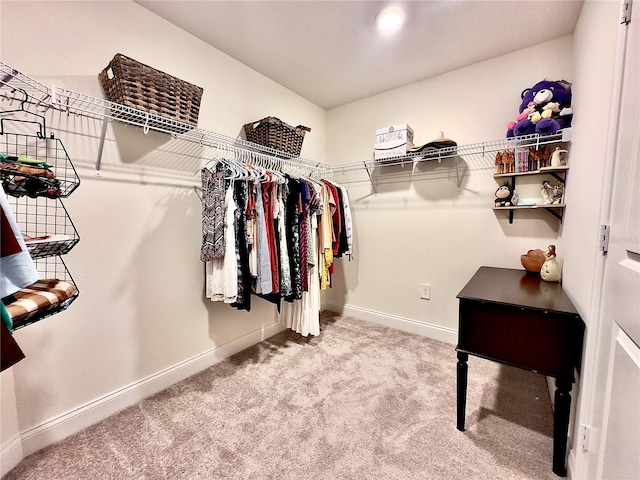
x: 542, y: 171
x: 529, y: 207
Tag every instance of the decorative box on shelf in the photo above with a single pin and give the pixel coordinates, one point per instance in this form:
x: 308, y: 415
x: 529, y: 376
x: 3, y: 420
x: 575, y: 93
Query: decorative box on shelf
x: 393, y: 141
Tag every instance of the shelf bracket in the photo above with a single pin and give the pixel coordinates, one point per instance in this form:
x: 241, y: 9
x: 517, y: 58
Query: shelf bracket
x: 103, y: 134
x: 557, y: 177
x: 458, y: 179
x: 373, y: 185
x: 555, y: 214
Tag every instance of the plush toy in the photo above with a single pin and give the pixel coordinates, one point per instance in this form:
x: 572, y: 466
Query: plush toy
x: 545, y: 109
x: 506, y: 196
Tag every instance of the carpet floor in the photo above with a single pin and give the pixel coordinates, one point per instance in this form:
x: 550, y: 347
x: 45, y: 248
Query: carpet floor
x: 359, y: 401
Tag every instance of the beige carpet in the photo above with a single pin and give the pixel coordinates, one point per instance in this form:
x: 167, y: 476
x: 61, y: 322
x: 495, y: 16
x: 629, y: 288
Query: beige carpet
x: 359, y: 401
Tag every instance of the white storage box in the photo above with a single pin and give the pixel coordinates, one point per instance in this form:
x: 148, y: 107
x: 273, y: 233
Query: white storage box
x: 397, y: 133
x: 393, y: 141
x: 390, y: 149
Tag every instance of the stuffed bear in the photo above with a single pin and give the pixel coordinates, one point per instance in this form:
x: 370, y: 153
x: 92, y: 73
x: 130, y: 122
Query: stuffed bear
x: 545, y: 109
x: 506, y: 196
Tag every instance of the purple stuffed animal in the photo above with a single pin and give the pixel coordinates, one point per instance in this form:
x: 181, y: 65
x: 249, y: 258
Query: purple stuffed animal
x: 545, y: 109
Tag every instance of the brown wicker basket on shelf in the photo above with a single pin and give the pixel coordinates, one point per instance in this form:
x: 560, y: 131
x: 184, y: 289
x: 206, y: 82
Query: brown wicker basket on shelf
x: 133, y: 84
x: 274, y: 133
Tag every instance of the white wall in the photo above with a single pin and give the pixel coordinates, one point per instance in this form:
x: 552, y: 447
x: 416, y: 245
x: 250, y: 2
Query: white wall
x: 141, y: 308
x: 426, y: 229
x: 595, y: 51
x: 593, y: 69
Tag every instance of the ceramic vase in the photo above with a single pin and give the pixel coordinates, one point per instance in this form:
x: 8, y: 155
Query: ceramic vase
x: 550, y: 271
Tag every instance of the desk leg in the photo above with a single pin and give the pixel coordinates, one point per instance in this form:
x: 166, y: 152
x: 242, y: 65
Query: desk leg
x: 561, y: 425
x: 462, y: 388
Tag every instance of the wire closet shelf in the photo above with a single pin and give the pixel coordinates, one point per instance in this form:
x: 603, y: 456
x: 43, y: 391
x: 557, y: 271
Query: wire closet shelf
x: 81, y: 104
x: 247, y: 152
x: 39, y: 93
x: 482, y: 153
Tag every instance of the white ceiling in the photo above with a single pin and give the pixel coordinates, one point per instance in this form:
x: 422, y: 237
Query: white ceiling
x: 330, y: 53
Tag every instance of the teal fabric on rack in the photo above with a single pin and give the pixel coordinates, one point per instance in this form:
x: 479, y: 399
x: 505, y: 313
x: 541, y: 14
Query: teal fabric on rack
x: 6, y: 318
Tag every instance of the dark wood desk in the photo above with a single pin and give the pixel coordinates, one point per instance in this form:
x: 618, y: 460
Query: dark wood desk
x: 513, y: 317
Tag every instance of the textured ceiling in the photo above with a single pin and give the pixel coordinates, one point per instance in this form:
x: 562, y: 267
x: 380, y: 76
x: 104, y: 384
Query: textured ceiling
x: 330, y: 53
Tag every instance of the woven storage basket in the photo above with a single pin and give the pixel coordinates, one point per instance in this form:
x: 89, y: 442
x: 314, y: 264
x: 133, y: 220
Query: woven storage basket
x: 274, y: 133
x: 133, y: 84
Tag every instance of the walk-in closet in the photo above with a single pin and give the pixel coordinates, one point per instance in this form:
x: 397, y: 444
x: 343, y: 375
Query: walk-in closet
x: 186, y: 299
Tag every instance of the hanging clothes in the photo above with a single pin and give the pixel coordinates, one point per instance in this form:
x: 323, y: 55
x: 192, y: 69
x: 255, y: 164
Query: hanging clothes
x: 243, y: 301
x: 212, y: 214
x: 222, y: 273
x: 263, y: 280
x: 280, y: 235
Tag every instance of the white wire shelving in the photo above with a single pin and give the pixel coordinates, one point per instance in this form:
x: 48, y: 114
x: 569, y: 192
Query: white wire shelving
x: 81, y: 104
x: 458, y: 157
x: 15, y: 79
x: 76, y: 103
x: 371, y: 171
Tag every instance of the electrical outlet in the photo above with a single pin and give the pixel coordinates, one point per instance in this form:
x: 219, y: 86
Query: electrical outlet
x: 425, y: 291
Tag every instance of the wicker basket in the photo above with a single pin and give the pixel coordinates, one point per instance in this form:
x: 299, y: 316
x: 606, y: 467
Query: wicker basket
x: 133, y: 84
x: 274, y: 133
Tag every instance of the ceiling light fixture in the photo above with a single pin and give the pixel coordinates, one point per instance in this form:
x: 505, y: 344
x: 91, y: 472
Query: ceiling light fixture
x: 390, y: 19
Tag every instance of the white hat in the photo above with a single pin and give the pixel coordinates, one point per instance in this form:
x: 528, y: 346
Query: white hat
x: 435, y: 139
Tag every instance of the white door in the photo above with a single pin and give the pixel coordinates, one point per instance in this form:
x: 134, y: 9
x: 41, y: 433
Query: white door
x: 619, y: 449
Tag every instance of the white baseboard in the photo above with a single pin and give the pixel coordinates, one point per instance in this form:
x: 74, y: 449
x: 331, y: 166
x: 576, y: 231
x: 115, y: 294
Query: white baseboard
x: 10, y: 455
x: 58, y: 428
x: 442, y: 334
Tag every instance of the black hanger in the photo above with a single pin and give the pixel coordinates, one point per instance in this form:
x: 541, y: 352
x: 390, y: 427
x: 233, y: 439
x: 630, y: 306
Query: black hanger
x: 42, y: 128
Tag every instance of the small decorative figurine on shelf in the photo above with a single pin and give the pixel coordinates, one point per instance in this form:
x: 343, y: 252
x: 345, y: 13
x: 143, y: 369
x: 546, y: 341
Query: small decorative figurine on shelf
x: 498, y: 163
x: 539, y: 157
x: 506, y: 196
x: 552, y: 194
x: 505, y: 162
x: 559, y: 157
x: 550, y: 271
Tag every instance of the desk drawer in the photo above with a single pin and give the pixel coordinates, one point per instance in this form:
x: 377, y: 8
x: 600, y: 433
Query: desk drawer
x: 543, y: 341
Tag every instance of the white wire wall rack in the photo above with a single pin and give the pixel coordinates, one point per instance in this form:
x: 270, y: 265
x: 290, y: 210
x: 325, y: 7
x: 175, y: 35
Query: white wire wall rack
x: 26, y: 94
x: 376, y: 171
x: 346, y: 173
x: 36, y: 173
x: 101, y: 109
x: 39, y: 93
x: 483, y: 152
